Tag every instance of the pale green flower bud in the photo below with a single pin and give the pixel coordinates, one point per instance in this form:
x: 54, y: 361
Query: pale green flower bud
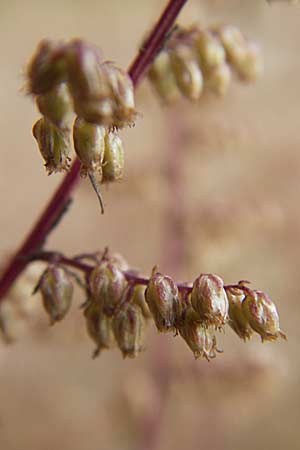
x: 56, y: 106
x: 210, y: 50
x: 138, y: 298
x: 218, y: 79
x: 129, y: 330
x: 99, y: 327
x: 54, y: 145
x: 57, y: 290
x: 209, y: 300
x: 187, y: 72
x: 200, y: 339
x: 47, y: 67
x: 262, y: 315
x: 163, y: 299
x: 107, y: 284
x: 113, y: 161
x: 162, y: 78
x: 237, y: 318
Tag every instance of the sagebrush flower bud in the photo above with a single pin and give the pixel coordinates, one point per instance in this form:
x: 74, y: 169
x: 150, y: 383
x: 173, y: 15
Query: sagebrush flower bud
x: 129, y: 330
x: 210, y: 50
x: 262, y: 315
x: 187, y: 72
x: 218, y: 79
x: 209, y: 300
x: 54, y: 145
x: 57, y: 290
x: 47, y: 67
x: 237, y: 318
x: 251, y: 64
x: 200, y: 339
x: 106, y: 285
x: 113, y: 160
x: 163, y: 299
x: 138, y: 298
x: 162, y: 78
x: 56, y: 106
x: 99, y: 327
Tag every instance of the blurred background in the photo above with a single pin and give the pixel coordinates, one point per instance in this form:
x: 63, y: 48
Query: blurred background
x: 232, y: 210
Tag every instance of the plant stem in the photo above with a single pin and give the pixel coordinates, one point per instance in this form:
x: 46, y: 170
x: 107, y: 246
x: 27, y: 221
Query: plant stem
x: 49, y: 216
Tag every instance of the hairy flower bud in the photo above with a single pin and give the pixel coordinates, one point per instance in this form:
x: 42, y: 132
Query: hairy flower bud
x: 99, y: 327
x: 162, y: 78
x: 113, y: 161
x: 56, y: 106
x: 209, y: 300
x: 210, y: 50
x: 200, y: 339
x: 237, y: 318
x: 162, y: 297
x: 218, y: 79
x: 107, y: 284
x: 129, y: 329
x: 54, y: 145
x: 47, y: 67
x: 56, y: 290
x: 262, y: 315
x: 187, y: 72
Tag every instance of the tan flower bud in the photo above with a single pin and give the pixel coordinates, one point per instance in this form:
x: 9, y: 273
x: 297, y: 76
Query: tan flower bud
x: 107, y: 284
x: 129, y: 329
x: 54, y: 145
x: 187, y: 72
x: 162, y: 297
x: 56, y: 106
x: 209, y: 300
x: 210, y: 50
x: 218, y: 79
x: 56, y: 290
x: 113, y: 161
x: 47, y: 67
x: 138, y: 299
x: 162, y: 78
x: 234, y: 42
x: 200, y: 339
x: 88, y: 82
x: 251, y: 64
x: 262, y: 315
x: 237, y: 318
x: 99, y: 327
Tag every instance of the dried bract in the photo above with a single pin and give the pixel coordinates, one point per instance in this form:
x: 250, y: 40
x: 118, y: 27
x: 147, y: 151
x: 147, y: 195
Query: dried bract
x: 54, y: 145
x: 57, y: 290
x: 209, y: 300
x: 129, y: 329
x: 262, y: 315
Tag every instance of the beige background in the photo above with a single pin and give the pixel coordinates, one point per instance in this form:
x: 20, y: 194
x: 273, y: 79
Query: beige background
x: 241, y: 188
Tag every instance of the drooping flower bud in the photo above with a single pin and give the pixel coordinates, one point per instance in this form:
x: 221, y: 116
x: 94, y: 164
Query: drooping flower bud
x: 138, y: 298
x: 113, y: 161
x: 99, y: 327
x: 56, y: 106
x: 57, y: 290
x: 129, y: 329
x: 54, y: 145
x: 123, y: 94
x: 47, y: 67
x: 237, y: 318
x: 262, y: 315
x: 218, y: 79
x: 187, y: 72
x: 201, y: 340
x: 210, y: 50
x: 162, y: 78
x: 107, y: 284
x: 88, y: 82
x: 209, y: 300
x: 163, y: 299
x: 251, y: 64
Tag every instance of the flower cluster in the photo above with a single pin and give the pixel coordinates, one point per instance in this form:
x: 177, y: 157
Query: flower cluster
x: 195, y: 59
x: 68, y: 78
x: 120, y: 303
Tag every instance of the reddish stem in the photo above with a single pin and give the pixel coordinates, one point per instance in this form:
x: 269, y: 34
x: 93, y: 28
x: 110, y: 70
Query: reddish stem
x: 49, y: 216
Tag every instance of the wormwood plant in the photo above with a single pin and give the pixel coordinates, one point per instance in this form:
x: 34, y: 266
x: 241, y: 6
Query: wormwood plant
x: 71, y: 78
